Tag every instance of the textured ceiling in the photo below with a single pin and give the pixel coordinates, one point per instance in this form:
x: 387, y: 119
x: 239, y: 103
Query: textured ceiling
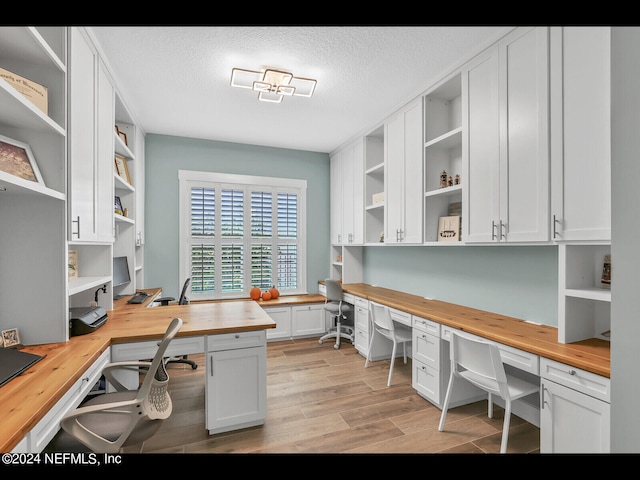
x: 175, y: 80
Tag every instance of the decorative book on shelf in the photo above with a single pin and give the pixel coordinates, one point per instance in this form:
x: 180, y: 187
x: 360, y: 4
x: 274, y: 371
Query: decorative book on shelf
x: 605, y: 281
x: 72, y: 264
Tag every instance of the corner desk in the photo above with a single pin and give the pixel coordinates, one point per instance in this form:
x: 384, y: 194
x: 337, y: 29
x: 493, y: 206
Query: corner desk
x: 231, y: 334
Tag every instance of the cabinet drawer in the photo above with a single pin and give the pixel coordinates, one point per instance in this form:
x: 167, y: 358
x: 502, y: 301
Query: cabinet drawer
x: 141, y: 350
x: 519, y: 359
x: 349, y: 298
x: 362, y: 303
x: 426, y: 381
x: 427, y: 326
x: 425, y: 348
x: 46, y: 428
x: 362, y: 319
x: 586, y: 382
x: 401, y: 317
x: 230, y: 341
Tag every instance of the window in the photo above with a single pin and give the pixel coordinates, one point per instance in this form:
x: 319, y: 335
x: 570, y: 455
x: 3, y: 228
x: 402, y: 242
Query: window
x: 241, y: 231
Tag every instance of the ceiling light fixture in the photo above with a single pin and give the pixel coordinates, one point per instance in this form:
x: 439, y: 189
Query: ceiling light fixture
x: 272, y: 85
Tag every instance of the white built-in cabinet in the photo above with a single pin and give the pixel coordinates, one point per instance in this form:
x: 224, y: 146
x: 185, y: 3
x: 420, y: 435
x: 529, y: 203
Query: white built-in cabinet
x: 403, y: 178
x: 236, y: 384
x: 95, y: 232
x: 581, y: 133
x: 33, y: 215
x: 581, y: 177
x: 295, y: 321
x: 91, y: 113
x: 506, y: 144
x: 347, y: 212
x: 335, y: 198
x: 575, y: 410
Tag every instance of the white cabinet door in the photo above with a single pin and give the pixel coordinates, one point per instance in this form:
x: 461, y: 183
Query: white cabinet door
x: 481, y: 148
x: 353, y: 193
x: 83, y: 64
x: 236, y: 385
x: 524, y: 155
x: 581, y: 133
x: 403, y: 176
x: 105, y: 155
x: 335, y: 202
x: 507, y: 163
x: 91, y: 119
x: 282, y: 317
x: 572, y: 422
x: 307, y: 320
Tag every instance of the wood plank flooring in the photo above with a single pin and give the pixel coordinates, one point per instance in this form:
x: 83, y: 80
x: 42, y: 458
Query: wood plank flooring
x: 323, y: 401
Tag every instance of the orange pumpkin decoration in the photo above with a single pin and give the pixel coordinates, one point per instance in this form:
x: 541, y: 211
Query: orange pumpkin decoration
x: 254, y: 293
x: 266, y: 295
x: 274, y: 292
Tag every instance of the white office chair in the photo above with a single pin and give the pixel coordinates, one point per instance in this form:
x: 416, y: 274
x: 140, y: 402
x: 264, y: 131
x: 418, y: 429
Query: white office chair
x: 384, y: 325
x: 110, y: 421
x: 478, y: 361
x: 338, y: 309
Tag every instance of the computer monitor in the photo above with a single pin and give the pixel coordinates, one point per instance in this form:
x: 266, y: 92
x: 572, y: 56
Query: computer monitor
x: 120, y: 273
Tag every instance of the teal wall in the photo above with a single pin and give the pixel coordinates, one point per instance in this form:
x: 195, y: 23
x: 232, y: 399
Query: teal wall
x: 516, y: 281
x: 165, y: 155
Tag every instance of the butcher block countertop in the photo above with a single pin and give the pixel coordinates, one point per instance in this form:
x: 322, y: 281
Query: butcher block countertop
x: 27, y: 398
x: 592, y: 355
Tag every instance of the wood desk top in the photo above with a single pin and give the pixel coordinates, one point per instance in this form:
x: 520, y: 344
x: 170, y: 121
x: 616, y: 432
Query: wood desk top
x: 26, y: 399
x: 592, y: 355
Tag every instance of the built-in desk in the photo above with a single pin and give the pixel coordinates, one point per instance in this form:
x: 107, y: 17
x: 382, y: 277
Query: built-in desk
x: 36, y: 397
x: 573, y: 411
x: 592, y: 355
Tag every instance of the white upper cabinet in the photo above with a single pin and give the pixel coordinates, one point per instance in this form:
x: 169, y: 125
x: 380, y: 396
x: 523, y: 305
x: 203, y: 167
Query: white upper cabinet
x: 91, y: 110
x: 404, y: 146
x: 353, y: 193
x: 335, y: 192
x: 505, y: 110
x: 581, y: 133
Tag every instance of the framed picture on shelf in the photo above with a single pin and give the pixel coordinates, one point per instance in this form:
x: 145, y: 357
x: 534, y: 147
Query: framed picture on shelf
x: 17, y: 159
x: 11, y: 337
x: 118, y: 206
x: 122, y: 169
x: 449, y: 229
x: 123, y: 137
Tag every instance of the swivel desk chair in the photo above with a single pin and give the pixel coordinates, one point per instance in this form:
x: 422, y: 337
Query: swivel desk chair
x: 183, y: 300
x: 109, y: 422
x: 338, y: 309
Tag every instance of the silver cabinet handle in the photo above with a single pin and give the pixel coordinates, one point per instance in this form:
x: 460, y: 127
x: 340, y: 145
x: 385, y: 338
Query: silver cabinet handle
x: 77, y: 222
x: 493, y: 230
x: 555, y: 222
x: 502, y: 227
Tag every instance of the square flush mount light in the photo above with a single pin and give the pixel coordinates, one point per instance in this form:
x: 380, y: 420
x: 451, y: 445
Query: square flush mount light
x: 272, y: 85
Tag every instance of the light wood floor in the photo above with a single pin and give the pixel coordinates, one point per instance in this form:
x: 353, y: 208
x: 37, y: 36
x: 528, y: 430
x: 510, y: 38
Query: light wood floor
x: 322, y: 400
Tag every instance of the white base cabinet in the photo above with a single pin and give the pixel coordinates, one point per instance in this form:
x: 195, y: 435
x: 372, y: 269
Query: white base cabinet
x: 236, y: 385
x: 282, y: 317
x: 575, y: 412
x: 296, y: 321
x: 307, y: 320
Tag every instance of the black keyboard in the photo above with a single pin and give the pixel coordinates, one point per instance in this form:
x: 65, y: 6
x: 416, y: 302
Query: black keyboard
x: 139, y: 297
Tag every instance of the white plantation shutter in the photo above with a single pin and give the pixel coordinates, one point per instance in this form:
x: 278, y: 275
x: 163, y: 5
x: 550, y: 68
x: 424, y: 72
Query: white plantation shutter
x: 242, y: 234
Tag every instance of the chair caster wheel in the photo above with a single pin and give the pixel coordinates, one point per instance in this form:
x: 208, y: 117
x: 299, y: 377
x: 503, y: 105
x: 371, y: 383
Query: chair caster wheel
x: 336, y: 347
x: 194, y: 366
x: 320, y: 342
